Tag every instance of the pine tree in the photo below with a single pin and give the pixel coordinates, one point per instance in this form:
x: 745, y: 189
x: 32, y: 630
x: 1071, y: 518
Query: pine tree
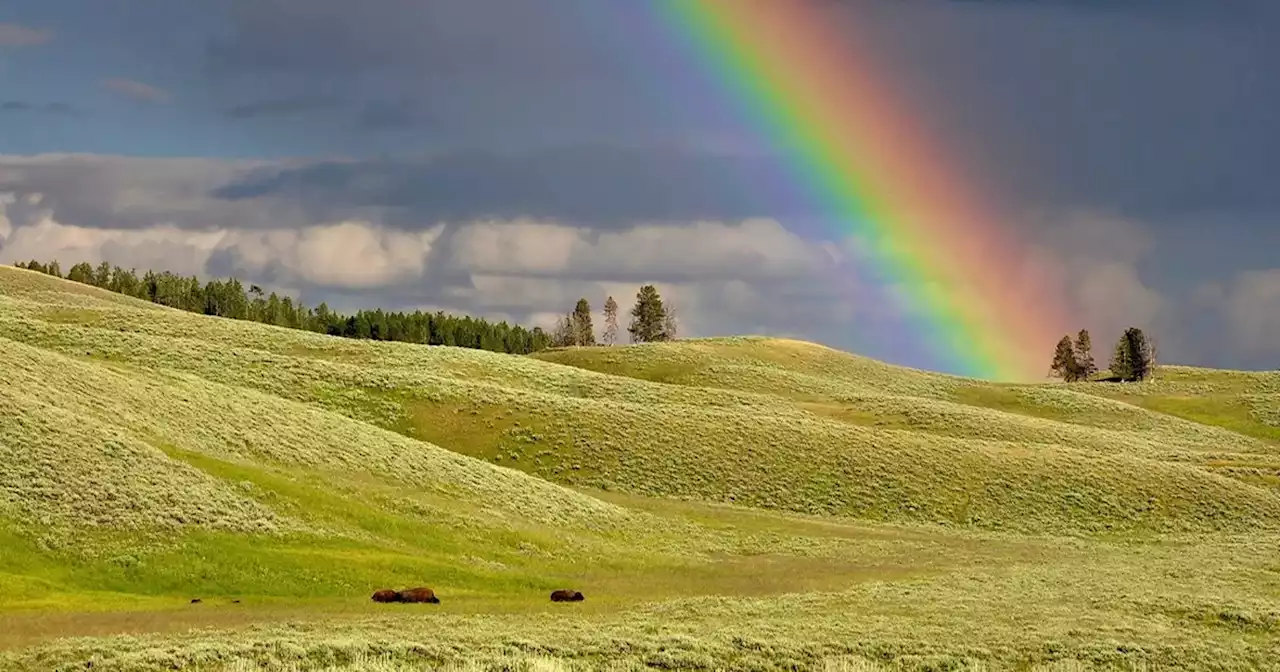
x: 1084, y: 355
x: 1064, y: 361
x: 102, y: 275
x: 1132, y: 357
x: 229, y: 299
x: 82, y: 273
x: 583, y: 331
x: 1121, y: 363
x: 1141, y: 349
x: 271, y: 314
x: 610, y: 335
x: 647, y: 316
x: 258, y: 306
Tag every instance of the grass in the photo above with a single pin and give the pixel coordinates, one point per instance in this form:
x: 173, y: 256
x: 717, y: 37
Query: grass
x: 737, y: 503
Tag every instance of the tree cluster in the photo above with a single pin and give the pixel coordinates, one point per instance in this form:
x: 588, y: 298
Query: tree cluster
x: 229, y: 298
x: 651, y: 321
x: 1132, y: 359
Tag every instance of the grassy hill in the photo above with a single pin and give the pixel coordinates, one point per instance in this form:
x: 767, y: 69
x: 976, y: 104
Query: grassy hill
x: 745, y: 502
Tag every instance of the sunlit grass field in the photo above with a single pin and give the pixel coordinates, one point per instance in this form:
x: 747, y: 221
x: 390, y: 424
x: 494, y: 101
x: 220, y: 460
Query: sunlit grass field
x: 736, y: 503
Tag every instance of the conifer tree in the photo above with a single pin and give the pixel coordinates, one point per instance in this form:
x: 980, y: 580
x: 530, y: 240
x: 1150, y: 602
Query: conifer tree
x: 647, y: 316
x: 1084, y: 355
x: 584, y: 332
x: 1064, y: 361
x: 102, y: 275
x: 610, y: 335
x: 1131, y: 359
x: 1121, y: 362
x: 82, y: 273
x: 228, y: 298
x: 1140, y: 346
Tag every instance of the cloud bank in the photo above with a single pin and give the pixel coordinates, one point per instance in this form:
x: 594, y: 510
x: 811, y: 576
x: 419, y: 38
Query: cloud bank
x: 360, y: 246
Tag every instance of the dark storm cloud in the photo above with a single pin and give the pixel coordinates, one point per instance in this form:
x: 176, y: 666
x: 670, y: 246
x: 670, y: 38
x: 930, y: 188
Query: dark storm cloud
x: 1153, y: 110
x: 600, y: 185
x: 410, y: 37
x: 1149, y: 108
x: 132, y: 193
x: 1182, y: 7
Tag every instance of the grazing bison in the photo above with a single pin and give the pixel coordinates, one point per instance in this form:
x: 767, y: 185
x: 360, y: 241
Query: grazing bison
x: 195, y: 600
x: 386, y: 596
x: 419, y: 595
x: 566, y: 596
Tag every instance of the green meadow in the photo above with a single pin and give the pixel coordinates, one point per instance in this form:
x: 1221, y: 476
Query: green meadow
x: 732, y: 503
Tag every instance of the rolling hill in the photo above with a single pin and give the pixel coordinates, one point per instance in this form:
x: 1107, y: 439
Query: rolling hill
x: 735, y: 501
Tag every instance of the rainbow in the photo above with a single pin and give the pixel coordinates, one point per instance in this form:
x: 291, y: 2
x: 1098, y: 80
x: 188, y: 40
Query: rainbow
x: 964, y: 284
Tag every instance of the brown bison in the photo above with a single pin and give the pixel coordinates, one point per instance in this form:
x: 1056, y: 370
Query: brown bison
x: 386, y: 596
x: 419, y: 595
x: 566, y: 596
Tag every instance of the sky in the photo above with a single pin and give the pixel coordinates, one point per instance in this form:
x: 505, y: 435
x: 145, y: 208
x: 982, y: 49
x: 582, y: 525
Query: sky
x: 502, y: 158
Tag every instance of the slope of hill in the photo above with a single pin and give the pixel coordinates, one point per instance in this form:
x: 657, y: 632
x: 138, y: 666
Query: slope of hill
x: 1221, y: 422
x: 908, y: 454
x: 100, y: 455
x: 150, y: 456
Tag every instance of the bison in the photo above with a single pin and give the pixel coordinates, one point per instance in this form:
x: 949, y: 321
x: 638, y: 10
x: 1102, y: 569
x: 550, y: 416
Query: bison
x: 419, y: 595
x: 566, y: 596
x: 386, y: 596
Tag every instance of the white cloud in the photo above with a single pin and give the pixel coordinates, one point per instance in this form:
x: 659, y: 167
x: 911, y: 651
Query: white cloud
x: 752, y: 248
x: 356, y: 255
x: 361, y: 255
x: 163, y: 247
x: 721, y: 277
x: 521, y: 247
x: 353, y: 255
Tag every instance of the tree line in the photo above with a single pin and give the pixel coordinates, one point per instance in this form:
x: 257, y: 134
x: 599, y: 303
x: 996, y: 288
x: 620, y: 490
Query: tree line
x: 229, y: 298
x: 1132, y: 359
x: 652, y: 320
